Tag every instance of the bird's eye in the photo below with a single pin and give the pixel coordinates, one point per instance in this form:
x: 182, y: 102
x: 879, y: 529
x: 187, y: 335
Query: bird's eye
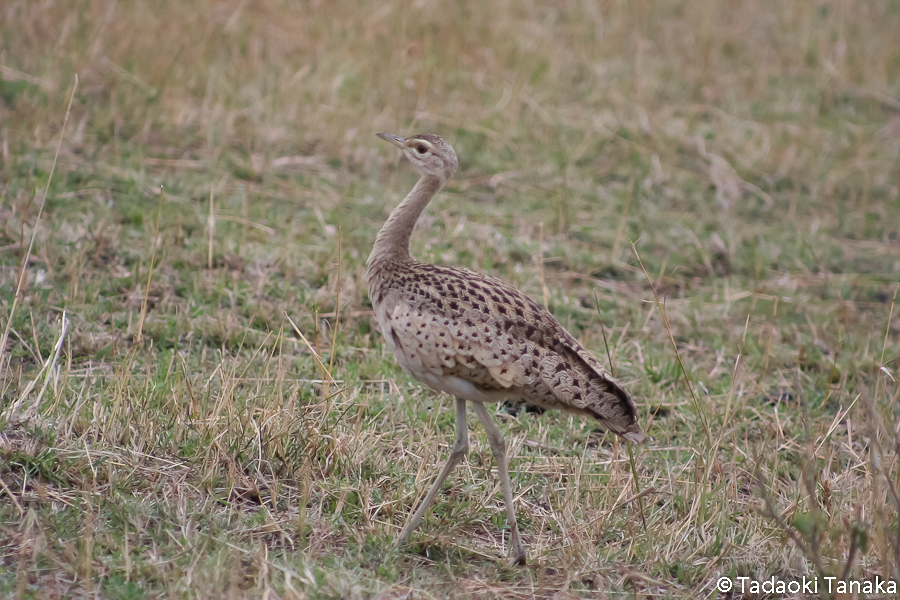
x: 421, y: 149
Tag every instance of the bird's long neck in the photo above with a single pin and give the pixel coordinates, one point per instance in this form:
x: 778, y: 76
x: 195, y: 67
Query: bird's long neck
x: 392, y: 242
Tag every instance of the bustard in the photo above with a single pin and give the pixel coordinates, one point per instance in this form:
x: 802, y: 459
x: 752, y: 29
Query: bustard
x: 476, y: 337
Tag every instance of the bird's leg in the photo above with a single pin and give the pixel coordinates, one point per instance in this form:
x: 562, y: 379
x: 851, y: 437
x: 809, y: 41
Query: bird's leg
x: 498, y: 447
x: 459, y: 449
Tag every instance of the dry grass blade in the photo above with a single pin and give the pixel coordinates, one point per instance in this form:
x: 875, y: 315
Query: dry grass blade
x: 337, y: 308
x: 24, y: 264
x: 328, y: 378
x: 11, y: 415
x: 750, y: 150
x: 138, y: 335
x: 662, y: 311
x: 211, y: 226
x: 612, y: 367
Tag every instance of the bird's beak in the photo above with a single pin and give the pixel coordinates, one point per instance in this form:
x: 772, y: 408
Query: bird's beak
x: 397, y: 141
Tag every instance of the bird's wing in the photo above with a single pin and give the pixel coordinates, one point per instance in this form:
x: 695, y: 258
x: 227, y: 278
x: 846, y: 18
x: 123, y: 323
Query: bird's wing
x: 455, y: 323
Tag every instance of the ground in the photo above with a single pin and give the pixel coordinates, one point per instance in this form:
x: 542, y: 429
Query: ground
x: 707, y: 195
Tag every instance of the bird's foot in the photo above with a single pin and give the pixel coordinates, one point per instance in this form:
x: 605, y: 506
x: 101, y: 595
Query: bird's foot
x: 518, y: 559
x: 517, y: 556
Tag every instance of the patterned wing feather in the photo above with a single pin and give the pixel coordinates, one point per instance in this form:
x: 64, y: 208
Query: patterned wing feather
x: 453, y: 323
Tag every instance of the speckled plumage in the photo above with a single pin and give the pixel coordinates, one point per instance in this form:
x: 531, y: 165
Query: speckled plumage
x: 477, y: 337
x: 447, y: 322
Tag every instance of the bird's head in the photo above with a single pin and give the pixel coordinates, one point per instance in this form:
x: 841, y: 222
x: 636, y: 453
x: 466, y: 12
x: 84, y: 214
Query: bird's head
x: 428, y: 153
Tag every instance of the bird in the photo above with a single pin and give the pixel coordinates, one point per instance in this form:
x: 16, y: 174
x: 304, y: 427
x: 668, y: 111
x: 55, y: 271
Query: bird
x: 478, y: 338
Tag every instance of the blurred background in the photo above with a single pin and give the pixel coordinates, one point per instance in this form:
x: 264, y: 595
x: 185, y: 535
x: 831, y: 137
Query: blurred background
x: 785, y: 109
x: 727, y: 119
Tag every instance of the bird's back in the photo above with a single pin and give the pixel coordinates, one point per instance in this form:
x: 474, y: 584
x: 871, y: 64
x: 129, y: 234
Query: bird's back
x: 455, y: 329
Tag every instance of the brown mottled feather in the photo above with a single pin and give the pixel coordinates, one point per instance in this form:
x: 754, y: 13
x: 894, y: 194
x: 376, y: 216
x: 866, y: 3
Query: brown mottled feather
x: 448, y: 322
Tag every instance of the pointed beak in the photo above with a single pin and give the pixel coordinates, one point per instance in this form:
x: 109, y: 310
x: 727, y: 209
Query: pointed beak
x: 397, y: 141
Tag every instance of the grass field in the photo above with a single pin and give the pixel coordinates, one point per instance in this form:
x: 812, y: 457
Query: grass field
x: 218, y: 179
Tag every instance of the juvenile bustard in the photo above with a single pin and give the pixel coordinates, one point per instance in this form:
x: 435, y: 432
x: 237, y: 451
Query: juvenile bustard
x: 476, y: 337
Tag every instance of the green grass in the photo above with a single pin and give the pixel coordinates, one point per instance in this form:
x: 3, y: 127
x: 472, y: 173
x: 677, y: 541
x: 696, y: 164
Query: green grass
x: 190, y: 444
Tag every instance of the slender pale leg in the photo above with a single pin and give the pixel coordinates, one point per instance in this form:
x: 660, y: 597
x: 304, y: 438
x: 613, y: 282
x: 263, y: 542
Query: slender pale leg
x: 498, y: 447
x: 459, y: 449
